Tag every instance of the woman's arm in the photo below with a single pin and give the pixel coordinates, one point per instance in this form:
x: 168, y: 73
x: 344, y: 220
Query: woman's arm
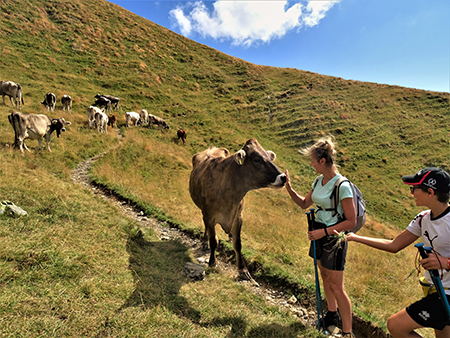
x: 348, y: 223
x: 395, y: 245
x: 303, y: 202
x: 350, y: 216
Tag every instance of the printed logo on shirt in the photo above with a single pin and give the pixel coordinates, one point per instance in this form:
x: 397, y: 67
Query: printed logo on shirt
x: 427, y: 235
x: 424, y: 315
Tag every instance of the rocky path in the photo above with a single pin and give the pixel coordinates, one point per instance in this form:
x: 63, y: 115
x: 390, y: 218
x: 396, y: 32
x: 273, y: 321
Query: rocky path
x: 305, y: 311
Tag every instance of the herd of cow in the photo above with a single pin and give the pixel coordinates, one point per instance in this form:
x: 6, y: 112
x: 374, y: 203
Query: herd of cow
x: 38, y: 126
x: 218, y: 182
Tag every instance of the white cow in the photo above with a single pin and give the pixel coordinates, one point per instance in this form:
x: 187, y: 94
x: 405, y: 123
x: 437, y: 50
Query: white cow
x: 92, y: 110
x: 35, y: 127
x: 152, y: 119
x: 13, y: 90
x: 101, y: 119
x: 133, y: 117
x: 144, y: 116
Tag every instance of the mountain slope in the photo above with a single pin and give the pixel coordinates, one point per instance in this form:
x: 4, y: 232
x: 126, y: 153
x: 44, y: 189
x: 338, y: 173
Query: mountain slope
x: 83, y: 47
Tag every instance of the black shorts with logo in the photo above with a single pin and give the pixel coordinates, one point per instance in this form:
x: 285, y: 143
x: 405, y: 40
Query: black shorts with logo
x: 329, y: 252
x: 429, y: 312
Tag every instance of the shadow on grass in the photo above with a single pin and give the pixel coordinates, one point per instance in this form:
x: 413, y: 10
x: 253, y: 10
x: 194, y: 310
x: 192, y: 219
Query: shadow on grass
x: 157, y: 268
x: 239, y: 328
x: 158, y: 272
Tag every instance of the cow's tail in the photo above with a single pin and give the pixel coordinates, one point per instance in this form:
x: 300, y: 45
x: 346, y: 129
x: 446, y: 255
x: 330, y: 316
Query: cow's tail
x: 19, y: 90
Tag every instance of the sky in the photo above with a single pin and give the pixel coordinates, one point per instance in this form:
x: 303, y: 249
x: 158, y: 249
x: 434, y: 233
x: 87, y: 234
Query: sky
x: 397, y: 42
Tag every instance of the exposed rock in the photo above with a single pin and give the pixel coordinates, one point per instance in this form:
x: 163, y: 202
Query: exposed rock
x: 10, y: 209
x: 194, y: 271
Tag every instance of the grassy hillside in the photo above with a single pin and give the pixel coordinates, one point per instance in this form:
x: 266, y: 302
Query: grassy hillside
x: 84, y: 47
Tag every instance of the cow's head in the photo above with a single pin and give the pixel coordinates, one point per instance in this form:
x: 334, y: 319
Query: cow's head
x: 260, y: 171
x: 59, y: 125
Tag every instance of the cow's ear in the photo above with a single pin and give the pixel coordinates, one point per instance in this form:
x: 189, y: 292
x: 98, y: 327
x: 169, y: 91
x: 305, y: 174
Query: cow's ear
x: 239, y: 157
x: 54, y: 121
x: 67, y: 122
x: 272, y: 155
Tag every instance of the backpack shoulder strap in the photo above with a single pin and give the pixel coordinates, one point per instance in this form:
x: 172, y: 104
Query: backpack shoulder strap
x: 317, y: 181
x: 335, y: 194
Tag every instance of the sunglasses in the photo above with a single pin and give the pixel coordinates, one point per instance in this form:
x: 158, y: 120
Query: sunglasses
x: 417, y: 187
x: 413, y: 188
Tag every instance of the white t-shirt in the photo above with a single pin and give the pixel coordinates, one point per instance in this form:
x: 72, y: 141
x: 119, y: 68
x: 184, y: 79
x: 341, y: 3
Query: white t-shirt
x: 435, y: 233
x: 321, y: 197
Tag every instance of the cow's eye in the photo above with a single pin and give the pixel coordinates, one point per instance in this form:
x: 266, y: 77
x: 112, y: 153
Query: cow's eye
x: 256, y: 160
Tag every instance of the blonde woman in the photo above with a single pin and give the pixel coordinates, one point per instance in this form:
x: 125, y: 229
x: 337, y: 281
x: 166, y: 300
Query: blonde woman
x: 330, y: 256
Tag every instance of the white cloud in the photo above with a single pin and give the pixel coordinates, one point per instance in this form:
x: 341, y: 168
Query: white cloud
x: 248, y: 22
x: 182, y: 21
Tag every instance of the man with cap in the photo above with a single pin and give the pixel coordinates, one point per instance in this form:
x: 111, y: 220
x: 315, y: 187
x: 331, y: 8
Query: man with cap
x: 430, y: 188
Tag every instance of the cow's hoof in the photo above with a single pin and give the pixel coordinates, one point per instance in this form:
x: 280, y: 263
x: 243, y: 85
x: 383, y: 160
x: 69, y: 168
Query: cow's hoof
x: 245, y: 275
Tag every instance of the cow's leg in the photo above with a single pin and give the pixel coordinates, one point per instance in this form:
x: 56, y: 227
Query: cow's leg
x: 210, y: 233
x: 22, y: 145
x: 237, y: 245
x: 47, y: 138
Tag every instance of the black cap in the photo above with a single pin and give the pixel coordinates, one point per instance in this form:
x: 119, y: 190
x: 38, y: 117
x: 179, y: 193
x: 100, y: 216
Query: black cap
x: 434, y: 178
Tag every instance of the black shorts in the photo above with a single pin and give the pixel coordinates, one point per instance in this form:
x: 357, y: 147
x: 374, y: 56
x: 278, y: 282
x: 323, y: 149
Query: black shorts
x: 429, y: 312
x: 330, y: 254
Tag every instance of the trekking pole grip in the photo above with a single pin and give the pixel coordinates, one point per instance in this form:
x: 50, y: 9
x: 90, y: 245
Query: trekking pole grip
x: 313, y: 218
x: 308, y: 215
x: 424, y: 251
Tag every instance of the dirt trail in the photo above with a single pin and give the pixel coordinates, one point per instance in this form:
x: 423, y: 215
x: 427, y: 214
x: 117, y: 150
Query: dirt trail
x: 268, y: 290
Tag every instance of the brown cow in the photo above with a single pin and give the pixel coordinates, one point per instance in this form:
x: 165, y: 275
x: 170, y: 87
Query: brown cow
x: 181, y: 134
x: 218, y: 184
x: 112, y: 121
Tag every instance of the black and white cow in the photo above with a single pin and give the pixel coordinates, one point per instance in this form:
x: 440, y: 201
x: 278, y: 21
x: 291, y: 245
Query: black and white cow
x: 66, y: 102
x: 49, y: 101
x: 103, y: 102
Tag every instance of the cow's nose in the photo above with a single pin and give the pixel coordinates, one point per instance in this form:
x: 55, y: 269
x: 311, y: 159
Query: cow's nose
x: 280, y: 180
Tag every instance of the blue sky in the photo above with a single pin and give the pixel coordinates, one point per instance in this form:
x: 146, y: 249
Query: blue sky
x: 397, y: 42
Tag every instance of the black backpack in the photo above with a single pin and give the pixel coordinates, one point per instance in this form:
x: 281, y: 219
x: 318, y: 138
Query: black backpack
x: 358, y: 200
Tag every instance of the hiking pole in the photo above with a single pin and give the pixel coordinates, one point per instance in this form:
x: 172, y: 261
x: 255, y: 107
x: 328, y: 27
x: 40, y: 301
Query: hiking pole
x: 320, y: 319
x: 424, y: 251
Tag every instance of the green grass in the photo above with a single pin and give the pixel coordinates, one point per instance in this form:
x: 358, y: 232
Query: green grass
x: 70, y: 258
